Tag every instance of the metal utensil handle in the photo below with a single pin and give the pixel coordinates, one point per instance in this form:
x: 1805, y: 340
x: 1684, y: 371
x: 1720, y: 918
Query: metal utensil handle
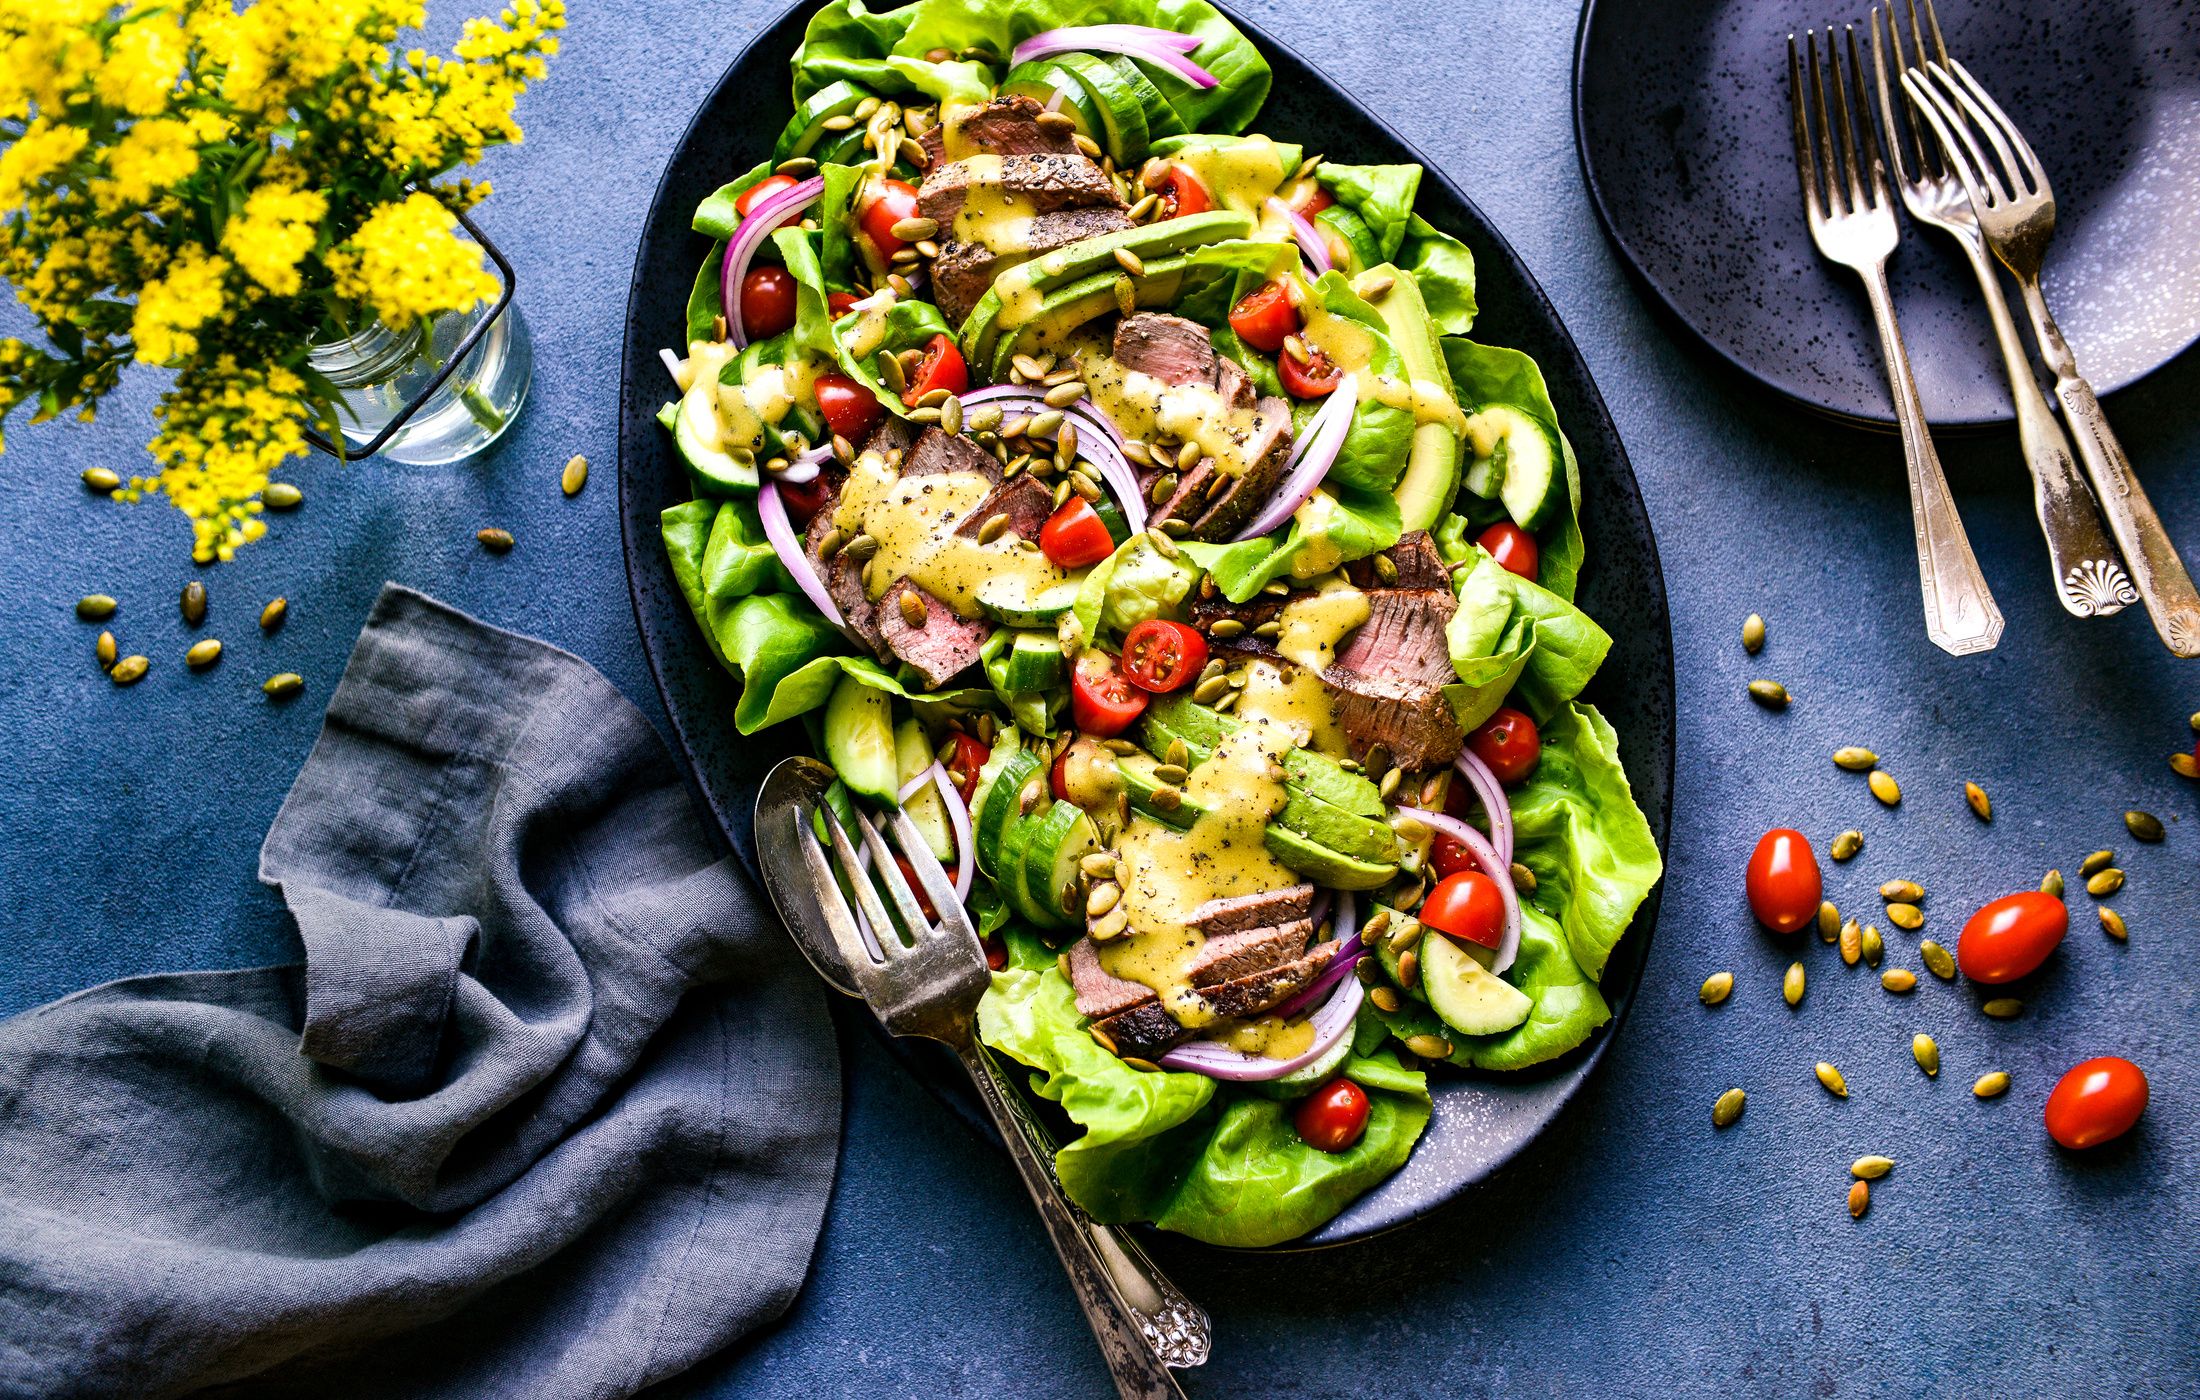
x: 1176, y: 1327
x: 1960, y: 615
x: 2163, y: 584
x: 1138, y: 1370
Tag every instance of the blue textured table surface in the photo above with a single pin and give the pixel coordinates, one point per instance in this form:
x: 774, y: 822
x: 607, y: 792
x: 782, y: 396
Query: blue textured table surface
x: 1634, y: 1249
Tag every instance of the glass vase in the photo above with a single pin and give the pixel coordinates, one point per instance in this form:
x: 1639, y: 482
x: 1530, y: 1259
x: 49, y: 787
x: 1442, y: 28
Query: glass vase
x: 380, y: 372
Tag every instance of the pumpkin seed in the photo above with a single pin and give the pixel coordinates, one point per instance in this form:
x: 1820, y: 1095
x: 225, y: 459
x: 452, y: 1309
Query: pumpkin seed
x: 1377, y: 287
x: 2112, y: 923
x: 995, y: 524
x: 2003, y: 1008
x: 1130, y: 262
x: 1225, y: 628
x: 1523, y: 878
x: 1126, y: 296
x: 1385, y: 999
x: 1846, y: 845
x: 1980, y: 803
x: 2143, y: 825
x: 1728, y: 1109
x: 1938, y: 960
x: 1163, y: 545
x: 1178, y: 754
x: 283, y: 686
x: 1898, y: 979
x: 193, y: 603
x: 101, y: 479
x: 1168, y: 799
x: 1906, y: 916
x: 95, y: 607
x: 1210, y: 690
x: 575, y: 475
x: 1373, y: 928
x: 1369, y: 971
x: 1860, y: 1199
x: 1388, y: 787
x: 1105, y: 1041
x: 1907, y: 891
x: 1770, y: 694
x: 1855, y: 759
x: 801, y: 167
x: 1112, y: 924
x: 1145, y: 206
x: 912, y: 609
x: 1926, y: 1051
x: 495, y: 540
x: 911, y: 229
x: 1296, y: 349
x: 1102, y: 899
x: 1753, y: 634
x: 2099, y: 860
x: 2052, y: 883
x: 1386, y: 568
x: 1407, y: 937
x: 861, y: 548
x: 281, y: 495
x: 1852, y: 942
x: 1991, y: 1085
x: 1429, y: 1047
x: 2105, y: 883
x: 1188, y: 457
x: 1829, y: 921
x: 1063, y: 395
x: 129, y: 670
x: 1884, y: 787
x: 203, y: 653
x: 1170, y: 773
x: 1871, y: 945
x: 1716, y: 988
x: 1085, y: 486
x: 1871, y: 1168
x: 1062, y: 493
x: 104, y: 649
x: 2184, y: 765
x: 1085, y: 144
x: 2195, y: 721
x: 1791, y: 986
x: 1409, y: 967
x: 951, y: 415
x: 1836, y: 1084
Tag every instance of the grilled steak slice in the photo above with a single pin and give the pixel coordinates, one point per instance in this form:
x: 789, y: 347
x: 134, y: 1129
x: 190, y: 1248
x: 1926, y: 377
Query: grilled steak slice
x: 1264, y: 910
x: 1419, y: 566
x: 1170, y: 348
x: 1024, y: 499
x: 1387, y: 684
x: 963, y: 271
x: 936, y: 452
x: 892, y: 435
x: 1034, y: 184
x: 1006, y: 126
x: 1145, y: 1030
x: 1204, y: 613
x: 1188, y: 499
x: 843, y: 580
x: 942, y: 647
x: 1266, y: 450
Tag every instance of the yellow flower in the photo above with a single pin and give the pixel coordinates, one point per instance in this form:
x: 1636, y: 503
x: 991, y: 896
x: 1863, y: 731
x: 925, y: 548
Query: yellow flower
x: 41, y: 150
x: 276, y: 231
x: 169, y: 310
x: 224, y: 429
x: 142, y: 62
x: 151, y: 156
x: 407, y: 262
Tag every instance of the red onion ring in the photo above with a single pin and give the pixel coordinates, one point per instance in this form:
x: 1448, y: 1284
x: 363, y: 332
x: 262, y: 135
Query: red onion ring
x: 1500, y: 873
x: 769, y: 213
x: 1160, y: 47
x: 780, y: 532
x: 804, y: 468
x: 1309, y: 238
x: 1310, y: 460
x: 1348, y: 950
x: 1492, y: 793
x: 1331, y: 1024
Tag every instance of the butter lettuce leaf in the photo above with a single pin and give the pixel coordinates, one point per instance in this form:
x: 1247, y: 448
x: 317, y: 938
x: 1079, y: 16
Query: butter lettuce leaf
x: 1576, y: 825
x: 1381, y: 195
x: 1336, y: 526
x: 1129, y: 586
x: 1492, y: 374
x: 1381, y: 436
x: 1443, y: 269
x: 685, y: 529
x: 1512, y: 636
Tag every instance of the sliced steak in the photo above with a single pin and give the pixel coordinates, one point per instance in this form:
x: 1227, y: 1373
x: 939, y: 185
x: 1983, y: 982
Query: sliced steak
x: 1170, y: 348
x: 1006, y: 126
x: 964, y: 271
x: 935, y: 452
x: 1034, y: 184
x: 1145, y: 1030
x: 843, y: 580
x: 892, y: 435
x: 1387, y: 682
x: 1266, y: 448
x: 1418, y: 564
x: 1024, y: 499
x: 1100, y: 993
x: 1188, y: 499
x: 1204, y: 613
x: 1246, y: 911
x: 944, y: 646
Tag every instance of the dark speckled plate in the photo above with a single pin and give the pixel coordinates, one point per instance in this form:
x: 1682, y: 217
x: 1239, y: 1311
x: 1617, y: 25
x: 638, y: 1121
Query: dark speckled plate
x: 1681, y: 116
x: 1479, y: 1122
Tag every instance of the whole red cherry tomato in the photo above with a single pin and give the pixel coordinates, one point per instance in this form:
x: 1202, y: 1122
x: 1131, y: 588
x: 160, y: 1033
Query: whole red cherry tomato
x: 941, y: 368
x: 1783, y: 881
x: 2096, y: 1102
x: 1160, y: 655
x: 1513, y: 548
x: 849, y: 409
x: 890, y: 201
x: 840, y: 303
x: 1181, y: 193
x: 1449, y: 856
x: 2011, y: 936
x: 1264, y: 318
x: 760, y: 191
x: 1332, y: 1118
x: 1100, y: 700
x: 1509, y: 743
x: 1467, y: 906
x: 1308, y: 379
x: 767, y: 301
x: 962, y: 769
x: 1075, y: 535
x: 804, y: 501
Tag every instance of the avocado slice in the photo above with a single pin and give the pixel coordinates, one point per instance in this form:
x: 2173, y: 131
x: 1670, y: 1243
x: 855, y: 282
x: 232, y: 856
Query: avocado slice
x: 1470, y: 998
x: 1431, y: 477
x: 1302, y: 854
x: 1201, y: 728
x: 1018, y: 294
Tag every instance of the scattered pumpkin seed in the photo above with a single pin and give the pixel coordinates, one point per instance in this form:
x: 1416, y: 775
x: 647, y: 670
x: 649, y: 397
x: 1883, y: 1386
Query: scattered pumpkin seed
x: 1829, y: 921
x: 283, y: 686
x: 2145, y: 826
x: 1855, y: 758
x: 193, y: 603
x: 2112, y: 923
x: 1852, y: 942
x: 129, y: 670
x: 1211, y: 689
x: 1926, y: 1051
x: 1168, y: 799
x: 1980, y: 803
x: 1884, y: 787
x: 1407, y: 937
x: 104, y: 649
x: 2099, y: 860
x: 995, y: 525
x: 1385, y: 999
x: 1373, y: 928
x: 2003, y: 1008
x: 1991, y: 1085
x: 2184, y: 765
x: 911, y: 229
x: 1860, y: 1199
x: 1377, y: 287
x: 575, y: 475
x: 1102, y: 899
x: 1898, y: 979
x: 1753, y: 634
x: 1770, y: 694
x: 494, y: 539
x: 1113, y: 924
x: 1170, y: 773
x: 1716, y: 988
x: 1791, y: 986
x: 2105, y: 883
x: 1907, y: 891
x: 1728, y: 1109
x: 1836, y: 1083
x: 1126, y: 296
x: 1871, y: 945
x: 282, y: 495
x: 1871, y: 1168
x: 1104, y: 1041
x: 1163, y: 545
x: 2195, y: 721
x: 1063, y: 395
x: 1846, y: 845
x: 101, y: 479
x: 1523, y: 878
x: 1429, y: 1047
x: 861, y: 548
x: 2052, y: 883
x: 95, y: 607
x: 951, y: 415
x: 1938, y: 960
x: 1906, y: 916
x: 203, y: 653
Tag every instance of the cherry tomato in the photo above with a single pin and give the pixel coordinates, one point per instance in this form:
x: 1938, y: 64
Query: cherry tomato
x: 962, y: 769
x: 889, y: 202
x: 1468, y: 906
x: 1783, y: 882
x: 1509, y: 743
x: 1450, y: 857
x: 767, y: 301
x: 1160, y: 655
x: 1332, y: 1118
x: 850, y: 410
x: 1058, y: 777
x: 996, y: 955
x: 2011, y: 936
x: 941, y: 368
x: 1075, y: 535
x: 1100, y: 699
x: 909, y: 873
x: 1181, y: 193
x: 760, y: 191
x: 1513, y: 548
x: 1311, y: 379
x: 803, y: 502
x: 840, y: 303
x: 1311, y: 199
x: 2096, y: 1102
x: 1265, y: 317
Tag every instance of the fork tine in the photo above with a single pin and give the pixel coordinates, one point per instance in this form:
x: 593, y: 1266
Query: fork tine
x: 1937, y: 85
x: 2009, y: 166
x: 1940, y: 45
x: 1847, y: 133
x: 1806, y: 160
x: 1942, y: 118
x: 1867, y: 135
x: 1829, y: 163
x: 889, y: 875
x: 859, y: 882
x: 1895, y: 130
x: 930, y: 874
x: 852, y: 937
x: 1930, y: 164
x: 2034, y: 172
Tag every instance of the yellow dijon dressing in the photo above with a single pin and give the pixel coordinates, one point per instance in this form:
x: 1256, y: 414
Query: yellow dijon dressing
x: 1294, y: 697
x: 1239, y: 175
x: 914, y: 521
x: 993, y: 215
x: 1314, y: 623
x: 1270, y: 1037
x: 1350, y: 346
x: 1152, y: 409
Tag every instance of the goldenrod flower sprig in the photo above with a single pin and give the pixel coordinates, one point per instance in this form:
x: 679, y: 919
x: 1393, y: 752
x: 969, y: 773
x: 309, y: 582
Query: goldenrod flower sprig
x: 212, y: 190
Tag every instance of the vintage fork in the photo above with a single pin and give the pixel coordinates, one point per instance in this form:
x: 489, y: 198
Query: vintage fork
x: 2089, y: 574
x: 2016, y: 212
x: 929, y: 985
x: 1853, y: 223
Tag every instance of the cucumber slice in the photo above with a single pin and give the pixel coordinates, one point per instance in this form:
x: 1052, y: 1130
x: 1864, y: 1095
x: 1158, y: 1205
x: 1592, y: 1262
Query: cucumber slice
x: 1005, y: 599
x: 694, y: 431
x: 859, y: 739
x: 1042, y: 80
x: 1471, y: 999
x: 913, y: 754
x: 805, y: 129
x: 1122, y: 107
x: 1015, y: 867
x: 998, y: 805
x: 1523, y: 456
x: 1034, y: 662
x: 1162, y: 120
x: 1058, y: 841
x: 1300, y: 1081
x: 1111, y: 515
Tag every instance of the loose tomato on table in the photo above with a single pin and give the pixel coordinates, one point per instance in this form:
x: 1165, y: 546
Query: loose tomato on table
x: 1311, y: 378
x: 760, y: 191
x: 941, y: 368
x: 849, y: 409
x: 1264, y: 318
x: 1160, y: 655
x: 964, y: 763
x: 1783, y: 881
x: 1467, y: 905
x: 1101, y: 700
x: 1181, y: 192
x: 1509, y: 743
x: 1075, y: 535
x: 2011, y: 936
x: 767, y: 301
x: 1332, y: 1118
x: 2097, y: 1101
x: 886, y: 204
x: 1513, y: 548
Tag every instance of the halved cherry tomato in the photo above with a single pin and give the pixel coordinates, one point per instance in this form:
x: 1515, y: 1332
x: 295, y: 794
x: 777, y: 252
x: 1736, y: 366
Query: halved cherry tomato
x: 996, y: 955
x: 1100, y: 699
x: 1513, y: 548
x: 1332, y: 1118
x: 909, y: 873
x: 850, y: 410
x: 1310, y: 379
x: 841, y: 303
x: 1160, y: 655
x: 1181, y: 193
x: 1783, y: 881
x: 2011, y: 936
x: 1265, y: 317
x: 803, y: 502
x: 1310, y: 199
x: 969, y: 757
x: 1468, y: 906
x: 1509, y: 743
x: 888, y: 202
x: 760, y: 191
x: 767, y: 301
x: 1058, y: 777
x: 941, y: 368
x: 1075, y: 535
x: 2096, y: 1102
x: 1449, y: 857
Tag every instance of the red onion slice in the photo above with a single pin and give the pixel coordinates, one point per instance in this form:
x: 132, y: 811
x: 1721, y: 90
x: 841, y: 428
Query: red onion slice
x: 804, y: 468
x: 1331, y: 1023
x: 1500, y: 872
x: 1348, y: 949
x: 1309, y: 238
x: 780, y: 531
x: 1161, y: 47
x: 1492, y: 793
x: 1310, y: 459
x: 1098, y: 442
x: 958, y: 820
x: 769, y: 213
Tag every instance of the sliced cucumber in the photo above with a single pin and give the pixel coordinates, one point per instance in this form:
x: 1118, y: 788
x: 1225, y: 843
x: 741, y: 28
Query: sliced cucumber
x: 859, y: 739
x: 913, y: 754
x: 1162, y: 120
x: 1516, y: 459
x: 694, y: 433
x: 805, y: 128
x: 1471, y: 999
x: 1034, y: 662
x: 1058, y: 841
x: 1005, y: 598
x: 998, y: 805
x: 1122, y: 108
x: 1309, y: 1077
x: 1014, y: 862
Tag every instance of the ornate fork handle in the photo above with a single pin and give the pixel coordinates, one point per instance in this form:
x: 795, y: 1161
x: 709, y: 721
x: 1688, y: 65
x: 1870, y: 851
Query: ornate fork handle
x: 1135, y: 1364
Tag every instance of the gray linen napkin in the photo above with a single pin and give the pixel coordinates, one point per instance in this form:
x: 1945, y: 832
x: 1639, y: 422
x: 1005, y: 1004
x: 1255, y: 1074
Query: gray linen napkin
x: 550, y: 1109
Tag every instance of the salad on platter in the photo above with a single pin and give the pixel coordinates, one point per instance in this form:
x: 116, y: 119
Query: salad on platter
x: 1120, y: 491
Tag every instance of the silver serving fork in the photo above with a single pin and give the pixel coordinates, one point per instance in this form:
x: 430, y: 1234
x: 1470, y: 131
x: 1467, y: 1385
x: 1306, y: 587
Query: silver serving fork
x: 2089, y: 574
x: 925, y: 980
x: 1852, y: 221
x: 2016, y: 212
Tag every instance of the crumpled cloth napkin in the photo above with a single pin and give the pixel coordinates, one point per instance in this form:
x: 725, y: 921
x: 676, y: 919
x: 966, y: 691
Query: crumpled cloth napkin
x: 551, y: 1108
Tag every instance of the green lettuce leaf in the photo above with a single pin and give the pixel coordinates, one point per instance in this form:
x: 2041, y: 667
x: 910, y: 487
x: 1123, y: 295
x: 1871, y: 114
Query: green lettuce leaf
x: 1576, y: 825
x: 1567, y: 1007
x: 770, y: 638
x: 1444, y: 271
x: 706, y: 299
x: 1129, y: 586
x: 739, y: 560
x: 1381, y: 436
x: 716, y: 217
x: 1381, y: 195
x: 1510, y: 634
x: 1334, y: 527
x: 686, y: 532
x: 1487, y: 374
